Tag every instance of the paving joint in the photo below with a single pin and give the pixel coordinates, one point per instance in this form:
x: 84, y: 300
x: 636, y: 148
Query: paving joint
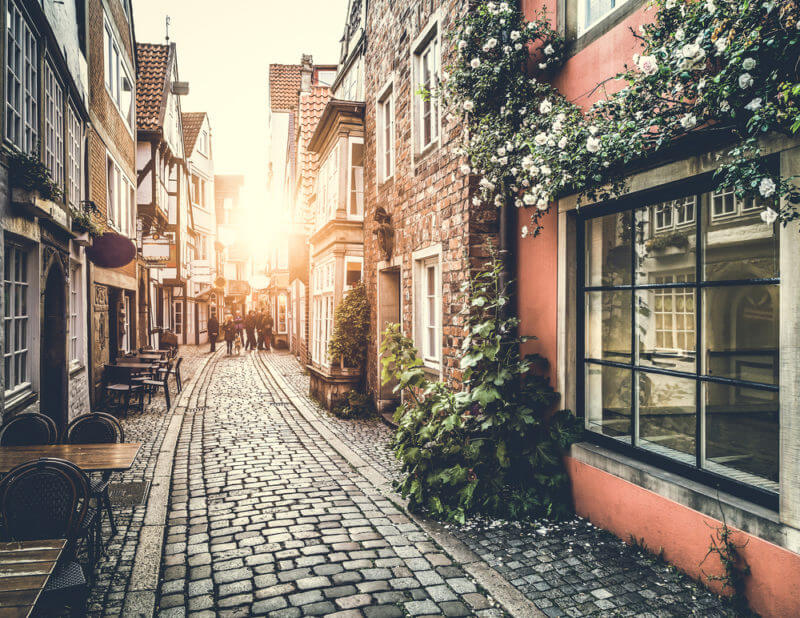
x: 504, y: 593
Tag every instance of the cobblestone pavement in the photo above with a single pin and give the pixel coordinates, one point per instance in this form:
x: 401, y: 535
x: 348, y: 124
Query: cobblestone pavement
x: 566, y: 569
x: 114, y: 569
x: 265, y: 518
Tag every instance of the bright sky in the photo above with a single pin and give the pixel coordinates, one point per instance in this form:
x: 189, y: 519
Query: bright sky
x: 224, y: 49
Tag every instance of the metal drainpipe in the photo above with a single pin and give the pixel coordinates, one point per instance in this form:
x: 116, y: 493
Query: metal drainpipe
x: 507, y: 234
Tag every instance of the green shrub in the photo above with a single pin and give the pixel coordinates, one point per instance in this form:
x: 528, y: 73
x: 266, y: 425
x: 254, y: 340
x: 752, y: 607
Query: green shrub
x: 355, y: 405
x: 488, y: 448
x: 351, y: 329
x: 27, y: 171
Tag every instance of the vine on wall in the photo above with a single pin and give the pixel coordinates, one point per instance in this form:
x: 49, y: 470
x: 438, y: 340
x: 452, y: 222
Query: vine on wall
x: 725, y: 68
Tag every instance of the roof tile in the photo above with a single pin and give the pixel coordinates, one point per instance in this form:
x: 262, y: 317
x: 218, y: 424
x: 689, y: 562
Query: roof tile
x: 284, y: 86
x: 192, y: 122
x: 152, y: 64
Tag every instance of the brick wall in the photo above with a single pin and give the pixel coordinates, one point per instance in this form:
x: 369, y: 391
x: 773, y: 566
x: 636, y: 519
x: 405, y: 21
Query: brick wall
x: 428, y: 199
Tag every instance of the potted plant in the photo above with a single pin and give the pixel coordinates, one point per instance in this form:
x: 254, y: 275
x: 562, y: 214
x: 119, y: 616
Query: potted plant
x: 84, y: 228
x: 30, y: 179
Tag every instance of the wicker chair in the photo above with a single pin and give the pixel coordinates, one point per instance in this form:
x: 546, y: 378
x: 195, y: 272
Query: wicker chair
x: 159, y: 381
x: 97, y: 428
x: 176, y: 371
x: 29, y: 429
x: 49, y: 499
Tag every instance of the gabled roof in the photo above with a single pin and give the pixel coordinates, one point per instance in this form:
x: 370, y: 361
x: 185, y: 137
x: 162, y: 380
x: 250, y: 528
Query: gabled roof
x: 192, y: 123
x: 284, y: 87
x: 152, y: 63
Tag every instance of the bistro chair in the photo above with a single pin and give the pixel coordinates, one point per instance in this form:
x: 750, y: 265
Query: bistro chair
x: 160, y: 380
x: 97, y: 428
x: 28, y: 429
x: 119, y: 387
x: 176, y: 371
x: 49, y: 499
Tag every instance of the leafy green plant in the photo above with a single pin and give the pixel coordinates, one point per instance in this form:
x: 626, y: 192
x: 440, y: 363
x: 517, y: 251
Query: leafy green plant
x: 488, y: 448
x: 351, y: 329
x: 355, y: 405
x: 719, y: 69
x: 82, y: 223
x: 27, y: 171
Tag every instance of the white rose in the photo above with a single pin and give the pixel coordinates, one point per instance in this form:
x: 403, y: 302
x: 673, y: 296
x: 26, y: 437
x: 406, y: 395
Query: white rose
x: 724, y: 106
x: 462, y: 45
x: 492, y: 43
x: 524, y: 231
x: 475, y: 63
x: 515, y: 35
x: 540, y: 139
x: 528, y: 199
x: 680, y: 35
x: 541, y: 204
x: 549, y: 51
x: 465, y: 169
x: 469, y: 106
x: 688, y: 121
x: 748, y: 64
x: 504, y: 160
x: 754, y: 104
x: 487, y: 184
x: 501, y: 151
x: 670, y: 4
x: 518, y: 46
x: 546, y: 171
x: 593, y: 144
x: 562, y: 143
x: 498, y: 200
x: 593, y: 130
x: 721, y: 45
x: 769, y: 216
x: 542, y: 66
x: 745, y: 81
x: 711, y: 7
x: 647, y: 64
x: 476, y: 201
x: 545, y: 107
x: 766, y: 187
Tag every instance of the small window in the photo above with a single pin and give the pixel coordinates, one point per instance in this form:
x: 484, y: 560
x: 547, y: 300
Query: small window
x: 385, y: 135
x: 426, y: 79
x: 16, y: 319
x: 428, y: 309
x: 53, y: 125
x: 22, y: 86
x: 355, y: 208
x: 75, y: 157
x: 118, y: 80
x: 352, y: 274
x: 75, y: 351
x: 590, y: 12
x: 120, y: 199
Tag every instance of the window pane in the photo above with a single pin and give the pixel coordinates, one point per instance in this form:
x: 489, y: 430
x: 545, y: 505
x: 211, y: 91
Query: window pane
x: 741, y: 332
x: 668, y: 415
x: 608, y: 400
x: 665, y: 327
x: 742, y: 434
x: 664, y: 252
x: 740, y: 247
x: 608, y: 250
x: 608, y: 325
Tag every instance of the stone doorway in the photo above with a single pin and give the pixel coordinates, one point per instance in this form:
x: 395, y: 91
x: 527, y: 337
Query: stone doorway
x: 53, y: 370
x: 388, y: 313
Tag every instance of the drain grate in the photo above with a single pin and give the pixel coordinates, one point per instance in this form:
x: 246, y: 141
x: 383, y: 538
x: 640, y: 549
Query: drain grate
x: 128, y: 494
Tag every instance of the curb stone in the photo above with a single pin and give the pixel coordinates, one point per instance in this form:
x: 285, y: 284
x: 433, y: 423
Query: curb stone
x: 141, y: 595
x: 503, y: 592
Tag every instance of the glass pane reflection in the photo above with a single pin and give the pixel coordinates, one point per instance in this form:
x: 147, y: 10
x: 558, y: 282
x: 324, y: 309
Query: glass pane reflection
x: 666, y: 242
x: 608, y: 325
x: 668, y: 415
x: 665, y: 327
x: 608, y: 400
x: 608, y: 249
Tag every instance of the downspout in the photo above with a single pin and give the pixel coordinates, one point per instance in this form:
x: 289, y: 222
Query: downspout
x: 507, y: 253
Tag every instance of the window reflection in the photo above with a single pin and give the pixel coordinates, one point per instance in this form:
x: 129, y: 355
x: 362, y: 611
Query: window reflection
x: 608, y: 400
x: 668, y: 415
x: 608, y: 325
x: 608, y: 250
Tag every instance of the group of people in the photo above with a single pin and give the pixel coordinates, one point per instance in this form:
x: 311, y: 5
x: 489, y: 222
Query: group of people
x: 256, y: 326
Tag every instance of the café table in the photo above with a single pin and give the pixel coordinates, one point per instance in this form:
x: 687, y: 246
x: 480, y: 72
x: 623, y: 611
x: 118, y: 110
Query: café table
x: 154, y: 356
x: 134, y: 364
x: 25, y: 567
x: 117, y: 457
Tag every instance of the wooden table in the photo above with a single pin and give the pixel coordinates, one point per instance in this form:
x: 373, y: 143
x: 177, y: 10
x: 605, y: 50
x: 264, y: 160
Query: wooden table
x: 150, y: 356
x: 88, y: 457
x: 135, y: 365
x: 24, y: 569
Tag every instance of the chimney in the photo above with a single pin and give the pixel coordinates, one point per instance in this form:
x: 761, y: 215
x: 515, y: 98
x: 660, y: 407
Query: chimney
x: 306, y: 71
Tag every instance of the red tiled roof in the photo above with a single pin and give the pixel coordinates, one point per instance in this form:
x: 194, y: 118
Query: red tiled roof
x: 152, y: 65
x: 284, y: 86
x: 312, y: 105
x: 191, y: 121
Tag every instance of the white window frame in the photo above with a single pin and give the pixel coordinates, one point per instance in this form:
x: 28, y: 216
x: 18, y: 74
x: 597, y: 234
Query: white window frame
x: 385, y: 133
x: 120, y: 199
x: 740, y: 206
x: 115, y: 67
x: 428, y: 42
x: 18, y: 285
x: 424, y: 318
x: 21, y: 81
x: 202, y: 143
x: 323, y: 276
x: 178, y: 322
x: 74, y: 158
x: 583, y: 14
x: 672, y: 210
x: 358, y: 215
x: 53, y: 142
x: 352, y: 260
x: 75, y: 316
x: 328, y: 187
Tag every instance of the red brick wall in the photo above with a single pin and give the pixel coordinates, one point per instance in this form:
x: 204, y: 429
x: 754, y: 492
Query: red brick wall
x: 429, y: 200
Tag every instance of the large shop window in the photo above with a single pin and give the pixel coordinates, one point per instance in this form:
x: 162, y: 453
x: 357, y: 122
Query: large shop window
x: 16, y: 322
x: 680, y: 342
x: 22, y: 100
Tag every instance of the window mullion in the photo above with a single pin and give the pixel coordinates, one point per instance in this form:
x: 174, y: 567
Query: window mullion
x: 700, y: 428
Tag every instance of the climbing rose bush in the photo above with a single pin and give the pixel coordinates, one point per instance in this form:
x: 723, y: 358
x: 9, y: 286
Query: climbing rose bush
x: 722, y: 71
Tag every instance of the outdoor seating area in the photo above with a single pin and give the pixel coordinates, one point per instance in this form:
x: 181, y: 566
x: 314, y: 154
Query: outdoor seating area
x: 133, y: 376
x: 54, y: 494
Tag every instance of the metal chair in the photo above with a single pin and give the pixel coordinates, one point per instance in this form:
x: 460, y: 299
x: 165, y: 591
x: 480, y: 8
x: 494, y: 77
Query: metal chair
x: 152, y: 384
x: 49, y: 499
x: 97, y: 428
x: 118, y: 385
x: 176, y: 371
x: 28, y: 429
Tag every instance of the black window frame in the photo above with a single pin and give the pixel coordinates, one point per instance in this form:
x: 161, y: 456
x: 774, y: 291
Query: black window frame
x: 693, y: 186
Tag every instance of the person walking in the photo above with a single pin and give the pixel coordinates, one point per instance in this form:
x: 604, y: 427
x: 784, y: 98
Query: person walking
x: 260, y: 317
x: 250, y: 329
x: 213, y: 331
x: 268, y: 332
x: 229, y: 330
